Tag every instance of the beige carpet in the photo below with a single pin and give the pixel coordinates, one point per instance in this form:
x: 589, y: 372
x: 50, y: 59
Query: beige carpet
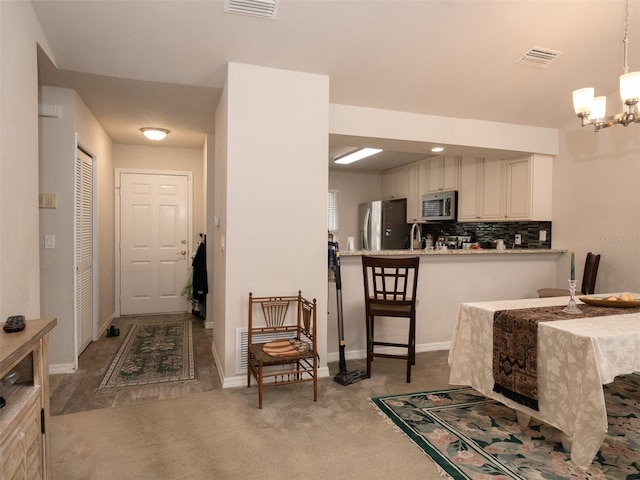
x: 221, y: 434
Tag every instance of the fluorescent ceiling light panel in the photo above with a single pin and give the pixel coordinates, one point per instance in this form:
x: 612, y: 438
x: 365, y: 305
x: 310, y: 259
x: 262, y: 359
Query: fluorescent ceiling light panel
x: 357, y: 155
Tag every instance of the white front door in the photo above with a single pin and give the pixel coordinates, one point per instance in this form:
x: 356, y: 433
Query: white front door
x: 154, y: 242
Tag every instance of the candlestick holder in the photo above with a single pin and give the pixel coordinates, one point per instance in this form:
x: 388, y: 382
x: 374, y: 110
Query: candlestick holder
x: 572, y: 307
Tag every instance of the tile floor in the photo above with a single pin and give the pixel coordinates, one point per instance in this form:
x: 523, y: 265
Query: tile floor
x: 78, y: 392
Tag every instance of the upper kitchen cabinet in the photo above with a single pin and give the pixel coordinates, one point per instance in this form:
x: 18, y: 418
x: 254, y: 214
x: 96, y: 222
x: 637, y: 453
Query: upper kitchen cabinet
x: 514, y: 189
x: 529, y: 182
x: 442, y: 173
x: 414, y: 198
x: 481, y: 193
x: 395, y: 183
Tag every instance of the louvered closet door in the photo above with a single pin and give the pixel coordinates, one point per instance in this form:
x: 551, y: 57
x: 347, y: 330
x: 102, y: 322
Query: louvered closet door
x: 84, y: 250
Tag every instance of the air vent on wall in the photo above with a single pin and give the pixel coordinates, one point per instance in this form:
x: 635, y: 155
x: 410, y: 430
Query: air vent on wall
x: 254, y: 8
x: 538, y: 57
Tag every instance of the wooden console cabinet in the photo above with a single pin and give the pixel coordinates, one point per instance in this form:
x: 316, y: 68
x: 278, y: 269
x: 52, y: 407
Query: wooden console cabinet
x: 24, y: 448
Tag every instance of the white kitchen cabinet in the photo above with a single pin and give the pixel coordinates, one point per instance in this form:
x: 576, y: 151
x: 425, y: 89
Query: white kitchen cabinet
x: 481, y: 190
x: 513, y: 189
x: 442, y: 172
x: 529, y: 182
x: 395, y: 183
x: 468, y: 205
x: 493, y: 190
x: 414, y: 199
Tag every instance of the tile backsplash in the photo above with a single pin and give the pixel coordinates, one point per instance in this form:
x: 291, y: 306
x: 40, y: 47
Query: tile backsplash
x: 490, y: 231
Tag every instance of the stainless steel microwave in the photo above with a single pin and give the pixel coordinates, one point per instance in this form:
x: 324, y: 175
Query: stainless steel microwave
x: 439, y: 206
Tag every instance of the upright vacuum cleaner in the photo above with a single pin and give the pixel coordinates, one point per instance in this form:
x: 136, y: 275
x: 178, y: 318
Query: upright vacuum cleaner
x: 343, y: 377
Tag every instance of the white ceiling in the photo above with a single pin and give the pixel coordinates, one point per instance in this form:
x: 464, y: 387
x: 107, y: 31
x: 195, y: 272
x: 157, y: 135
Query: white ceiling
x: 162, y: 62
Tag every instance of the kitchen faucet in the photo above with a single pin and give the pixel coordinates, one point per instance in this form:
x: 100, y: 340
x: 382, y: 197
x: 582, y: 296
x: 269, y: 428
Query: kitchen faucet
x: 414, y: 227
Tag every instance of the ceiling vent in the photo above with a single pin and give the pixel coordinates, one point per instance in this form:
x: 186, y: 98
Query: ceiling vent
x: 538, y: 57
x: 253, y: 8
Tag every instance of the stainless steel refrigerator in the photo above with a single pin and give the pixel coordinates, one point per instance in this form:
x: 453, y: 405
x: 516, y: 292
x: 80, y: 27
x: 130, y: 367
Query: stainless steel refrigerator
x: 383, y: 225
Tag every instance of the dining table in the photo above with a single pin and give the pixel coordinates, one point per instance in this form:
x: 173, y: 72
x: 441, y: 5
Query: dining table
x: 575, y: 358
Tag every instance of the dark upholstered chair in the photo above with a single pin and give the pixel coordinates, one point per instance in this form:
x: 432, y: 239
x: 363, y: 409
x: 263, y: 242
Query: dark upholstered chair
x: 390, y: 286
x: 588, y: 280
x: 281, y: 342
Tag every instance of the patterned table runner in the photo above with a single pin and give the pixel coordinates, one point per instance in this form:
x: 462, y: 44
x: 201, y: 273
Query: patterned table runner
x: 515, y: 347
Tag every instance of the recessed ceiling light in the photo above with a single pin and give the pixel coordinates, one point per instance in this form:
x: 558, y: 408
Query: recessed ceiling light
x: 357, y: 155
x: 153, y: 133
x: 437, y: 149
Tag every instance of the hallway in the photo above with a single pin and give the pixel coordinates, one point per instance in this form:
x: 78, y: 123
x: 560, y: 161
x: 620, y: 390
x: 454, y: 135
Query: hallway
x: 77, y: 392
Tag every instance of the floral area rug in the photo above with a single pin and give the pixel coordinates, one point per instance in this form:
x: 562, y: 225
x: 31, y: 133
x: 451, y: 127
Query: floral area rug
x: 153, y: 352
x: 469, y: 436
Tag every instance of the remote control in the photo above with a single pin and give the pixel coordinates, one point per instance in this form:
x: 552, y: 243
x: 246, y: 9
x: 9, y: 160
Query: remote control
x: 15, y: 323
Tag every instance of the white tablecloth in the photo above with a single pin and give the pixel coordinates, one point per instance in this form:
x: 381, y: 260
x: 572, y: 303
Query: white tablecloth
x: 575, y: 358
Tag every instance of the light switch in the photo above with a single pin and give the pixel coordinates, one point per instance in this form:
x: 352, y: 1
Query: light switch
x: 543, y: 235
x: 49, y: 241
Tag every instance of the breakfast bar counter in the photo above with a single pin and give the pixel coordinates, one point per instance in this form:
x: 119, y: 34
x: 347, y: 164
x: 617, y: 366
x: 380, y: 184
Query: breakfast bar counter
x: 447, y: 278
x: 456, y: 252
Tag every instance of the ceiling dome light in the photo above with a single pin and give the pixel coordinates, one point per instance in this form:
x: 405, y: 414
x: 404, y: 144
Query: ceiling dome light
x: 153, y: 133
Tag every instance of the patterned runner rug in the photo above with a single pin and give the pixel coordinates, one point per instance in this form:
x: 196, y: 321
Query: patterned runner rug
x: 153, y: 352
x: 469, y: 436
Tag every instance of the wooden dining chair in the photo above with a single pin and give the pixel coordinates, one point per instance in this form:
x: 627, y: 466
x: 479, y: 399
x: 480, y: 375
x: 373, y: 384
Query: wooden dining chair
x: 588, y: 280
x: 282, y: 347
x: 390, y: 286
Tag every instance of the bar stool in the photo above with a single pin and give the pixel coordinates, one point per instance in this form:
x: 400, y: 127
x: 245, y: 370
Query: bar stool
x: 390, y: 285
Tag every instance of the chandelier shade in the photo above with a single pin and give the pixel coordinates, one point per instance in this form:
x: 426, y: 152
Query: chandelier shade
x: 630, y: 86
x: 599, y: 109
x: 583, y: 101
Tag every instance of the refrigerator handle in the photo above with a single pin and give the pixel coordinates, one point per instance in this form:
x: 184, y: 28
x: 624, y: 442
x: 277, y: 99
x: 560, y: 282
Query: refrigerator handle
x: 366, y: 226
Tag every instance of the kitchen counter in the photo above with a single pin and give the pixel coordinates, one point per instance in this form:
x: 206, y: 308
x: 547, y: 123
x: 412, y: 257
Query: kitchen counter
x: 447, y: 278
x: 509, y: 251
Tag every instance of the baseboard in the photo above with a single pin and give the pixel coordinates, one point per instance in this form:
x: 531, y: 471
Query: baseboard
x: 359, y: 354
x: 241, y: 380
x: 61, y: 368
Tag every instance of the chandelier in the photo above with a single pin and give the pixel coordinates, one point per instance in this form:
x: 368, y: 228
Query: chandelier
x: 592, y: 110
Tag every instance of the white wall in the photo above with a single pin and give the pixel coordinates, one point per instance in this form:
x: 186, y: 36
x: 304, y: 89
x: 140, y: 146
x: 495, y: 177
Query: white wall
x: 57, y: 174
x: 169, y: 158
x: 276, y: 184
x: 217, y: 203
x: 596, y: 203
x: 388, y: 124
x: 353, y: 188
x: 20, y: 33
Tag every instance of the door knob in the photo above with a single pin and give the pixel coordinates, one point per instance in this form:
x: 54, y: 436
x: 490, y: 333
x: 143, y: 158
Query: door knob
x: 182, y: 252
